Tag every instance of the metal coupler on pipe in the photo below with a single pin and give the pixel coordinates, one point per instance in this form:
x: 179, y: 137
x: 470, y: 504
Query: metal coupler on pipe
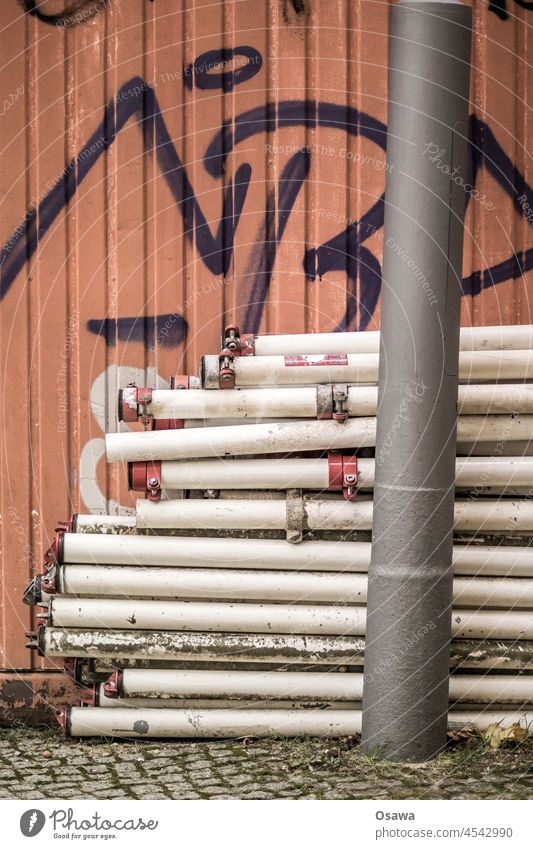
x: 323, y: 401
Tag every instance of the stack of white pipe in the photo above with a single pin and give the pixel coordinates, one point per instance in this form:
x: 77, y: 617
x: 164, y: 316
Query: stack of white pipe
x: 125, y: 594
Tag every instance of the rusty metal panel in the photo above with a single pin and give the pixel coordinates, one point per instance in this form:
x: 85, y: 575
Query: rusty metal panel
x: 169, y: 166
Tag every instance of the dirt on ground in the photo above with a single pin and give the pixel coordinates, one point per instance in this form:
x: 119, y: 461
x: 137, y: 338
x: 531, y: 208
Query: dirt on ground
x: 43, y: 765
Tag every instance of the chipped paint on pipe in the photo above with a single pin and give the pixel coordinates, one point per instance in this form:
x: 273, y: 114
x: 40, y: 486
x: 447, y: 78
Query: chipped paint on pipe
x: 280, y: 437
x: 316, y: 555
x: 172, y: 646
x: 90, y: 523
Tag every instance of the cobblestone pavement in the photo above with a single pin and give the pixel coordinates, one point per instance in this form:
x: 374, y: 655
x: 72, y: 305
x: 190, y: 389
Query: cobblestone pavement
x: 42, y: 765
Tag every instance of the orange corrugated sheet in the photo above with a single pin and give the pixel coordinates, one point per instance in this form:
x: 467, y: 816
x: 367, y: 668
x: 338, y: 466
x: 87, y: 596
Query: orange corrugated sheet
x: 171, y: 165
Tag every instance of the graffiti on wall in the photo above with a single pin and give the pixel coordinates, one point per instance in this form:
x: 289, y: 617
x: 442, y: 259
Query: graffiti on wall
x: 78, y: 12
x: 81, y: 11
x: 345, y: 252
x: 499, y: 7
x: 348, y: 252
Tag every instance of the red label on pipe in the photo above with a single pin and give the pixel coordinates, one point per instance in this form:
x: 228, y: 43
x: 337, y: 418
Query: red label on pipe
x: 317, y: 360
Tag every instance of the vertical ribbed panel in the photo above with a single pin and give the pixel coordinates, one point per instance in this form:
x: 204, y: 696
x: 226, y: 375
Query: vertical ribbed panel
x: 132, y: 152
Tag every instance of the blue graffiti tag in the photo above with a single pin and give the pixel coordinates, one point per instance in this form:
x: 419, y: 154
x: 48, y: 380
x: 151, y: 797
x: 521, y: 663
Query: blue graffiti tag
x: 344, y: 252
x: 499, y: 7
x: 201, y: 70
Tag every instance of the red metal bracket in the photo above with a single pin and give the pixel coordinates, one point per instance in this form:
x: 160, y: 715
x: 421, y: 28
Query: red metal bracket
x: 343, y: 474
x: 340, y: 397
x: 227, y: 372
x: 130, y: 399
x: 232, y: 339
x: 54, y: 554
x: 49, y: 582
x: 112, y: 685
x: 180, y: 381
x: 167, y: 424
x: 240, y: 344
x: 145, y: 475
x: 61, y: 717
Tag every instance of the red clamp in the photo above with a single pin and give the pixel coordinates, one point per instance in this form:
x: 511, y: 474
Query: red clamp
x: 112, y: 685
x: 180, y: 381
x: 146, y: 475
x: 343, y: 474
x: 130, y: 399
x: 61, y: 715
x: 340, y: 397
x: 167, y: 424
x: 55, y: 552
x: 239, y: 345
x: 227, y: 372
x: 49, y: 582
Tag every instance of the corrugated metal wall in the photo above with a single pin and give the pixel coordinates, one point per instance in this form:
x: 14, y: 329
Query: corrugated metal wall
x: 169, y: 165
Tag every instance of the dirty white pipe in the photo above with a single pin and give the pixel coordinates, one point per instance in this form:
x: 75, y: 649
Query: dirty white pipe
x: 185, y: 647
x: 91, y: 523
x: 66, y: 612
x: 258, y: 554
x: 499, y: 689
x: 158, y: 722
x: 166, y: 684
x: 201, y: 704
x: 275, y: 438
x: 135, y: 614
x: 117, y: 648
x: 282, y: 437
x: 302, y: 402
x: 202, y: 683
x: 485, y: 718
x: 242, y: 585
x: 512, y: 337
x: 356, y: 368
x: 219, y: 553
x: 213, y: 584
x: 313, y: 473
x: 318, y: 514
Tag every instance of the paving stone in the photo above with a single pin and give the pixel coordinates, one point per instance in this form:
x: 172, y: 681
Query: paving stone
x: 290, y: 769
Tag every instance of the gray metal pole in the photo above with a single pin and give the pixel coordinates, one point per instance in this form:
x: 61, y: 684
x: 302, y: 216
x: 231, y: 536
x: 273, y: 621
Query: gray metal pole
x: 410, y: 577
